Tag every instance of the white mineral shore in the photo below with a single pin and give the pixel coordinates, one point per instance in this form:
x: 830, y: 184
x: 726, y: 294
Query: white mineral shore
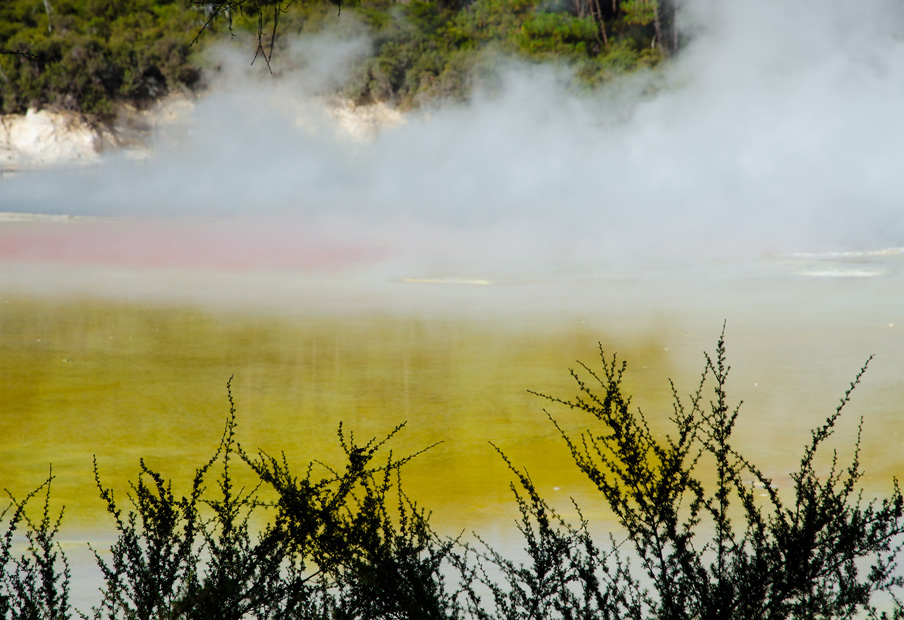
x: 42, y: 138
x: 45, y: 138
x: 362, y: 123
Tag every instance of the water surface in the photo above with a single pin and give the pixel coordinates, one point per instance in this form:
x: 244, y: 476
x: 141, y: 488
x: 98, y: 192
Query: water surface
x: 121, y: 362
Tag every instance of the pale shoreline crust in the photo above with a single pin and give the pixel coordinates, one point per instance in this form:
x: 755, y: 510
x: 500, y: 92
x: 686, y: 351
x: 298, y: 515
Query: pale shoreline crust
x: 43, y: 138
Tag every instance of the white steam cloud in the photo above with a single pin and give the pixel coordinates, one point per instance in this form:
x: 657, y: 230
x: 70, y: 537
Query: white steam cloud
x: 780, y: 127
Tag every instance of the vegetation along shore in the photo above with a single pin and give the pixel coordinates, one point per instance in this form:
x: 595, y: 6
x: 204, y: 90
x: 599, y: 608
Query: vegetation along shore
x: 701, y: 531
x: 91, y: 56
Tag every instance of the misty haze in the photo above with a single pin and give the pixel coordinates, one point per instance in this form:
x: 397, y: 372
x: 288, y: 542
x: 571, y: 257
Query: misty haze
x: 435, y: 265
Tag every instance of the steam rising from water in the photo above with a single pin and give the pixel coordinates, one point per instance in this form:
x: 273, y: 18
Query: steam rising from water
x: 777, y: 129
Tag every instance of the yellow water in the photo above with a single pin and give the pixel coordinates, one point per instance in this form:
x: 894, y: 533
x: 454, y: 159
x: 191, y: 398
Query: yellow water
x: 87, y: 376
x: 122, y: 382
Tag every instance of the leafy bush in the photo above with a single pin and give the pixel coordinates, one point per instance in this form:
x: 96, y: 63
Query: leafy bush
x: 423, y: 52
x: 639, y: 12
x: 85, y: 56
x: 34, y: 584
x: 334, y: 548
x: 697, y: 538
x: 411, y: 52
x: 797, y: 557
x: 88, y: 56
x: 559, y: 34
x: 486, y: 21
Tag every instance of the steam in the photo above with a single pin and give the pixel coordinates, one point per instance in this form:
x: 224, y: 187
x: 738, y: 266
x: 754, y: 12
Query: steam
x: 777, y: 129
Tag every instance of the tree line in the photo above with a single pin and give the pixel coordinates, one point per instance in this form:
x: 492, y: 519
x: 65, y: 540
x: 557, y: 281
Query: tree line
x: 89, y: 56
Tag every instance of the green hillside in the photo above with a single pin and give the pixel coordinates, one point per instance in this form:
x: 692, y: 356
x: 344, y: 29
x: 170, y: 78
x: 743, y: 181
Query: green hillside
x: 88, y: 56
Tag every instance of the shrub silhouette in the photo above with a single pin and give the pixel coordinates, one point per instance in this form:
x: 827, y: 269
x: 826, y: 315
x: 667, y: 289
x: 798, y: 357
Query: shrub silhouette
x: 797, y: 557
x: 347, y: 542
x: 369, y: 562
x: 36, y: 583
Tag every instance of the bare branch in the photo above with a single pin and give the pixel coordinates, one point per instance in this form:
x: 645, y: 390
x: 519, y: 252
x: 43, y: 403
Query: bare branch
x: 35, y: 57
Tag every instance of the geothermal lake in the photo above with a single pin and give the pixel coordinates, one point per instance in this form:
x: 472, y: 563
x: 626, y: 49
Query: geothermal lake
x: 121, y: 351
x: 117, y: 342
x: 436, y: 272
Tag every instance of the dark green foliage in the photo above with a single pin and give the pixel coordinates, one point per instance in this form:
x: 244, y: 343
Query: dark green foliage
x: 333, y: 548
x: 413, y: 55
x: 242, y: 573
x: 639, y: 12
x: 802, y: 557
x: 154, y: 558
x: 85, y: 56
x: 372, y: 563
x: 395, y: 568
x: 559, y: 34
x: 565, y: 576
x: 88, y: 56
x: 423, y: 51
x: 703, y: 533
x: 35, y: 584
x: 426, y: 52
x: 197, y: 556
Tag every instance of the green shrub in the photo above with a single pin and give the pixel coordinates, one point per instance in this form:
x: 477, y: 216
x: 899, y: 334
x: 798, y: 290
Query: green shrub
x: 558, y: 34
x: 89, y: 55
x: 801, y: 556
x: 411, y: 52
x: 34, y: 584
x: 639, y: 12
x: 487, y: 21
x: 697, y: 539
